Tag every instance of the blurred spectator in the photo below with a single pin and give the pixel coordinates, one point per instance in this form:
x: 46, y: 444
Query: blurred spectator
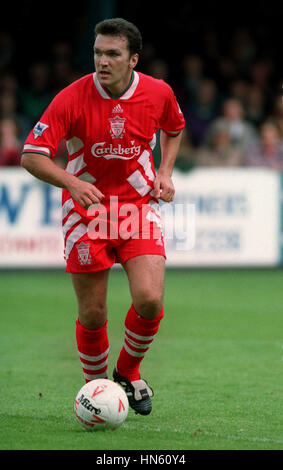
x: 61, y: 66
x: 211, y: 50
x: 158, y: 68
x: 37, y: 95
x: 241, y: 131
x: 279, y: 123
x: 9, y: 143
x: 233, y: 65
x: 255, y: 105
x: 148, y: 55
x: 8, y: 82
x: 193, y: 74
x: 261, y: 72
x: 277, y: 106
x: 220, y: 151
x: 238, y: 89
x: 62, y: 75
x: 202, y: 110
x: 226, y: 73
x: 267, y: 150
x: 7, y: 49
x: 243, y: 50
x: 186, y: 156
x: 8, y: 109
x: 62, y: 51
x: 276, y: 112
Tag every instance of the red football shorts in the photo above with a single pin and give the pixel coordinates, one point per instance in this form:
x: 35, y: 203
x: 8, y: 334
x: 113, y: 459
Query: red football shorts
x: 111, y: 238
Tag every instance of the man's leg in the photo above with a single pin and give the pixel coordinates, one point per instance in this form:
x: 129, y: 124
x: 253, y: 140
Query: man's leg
x: 146, y: 280
x: 91, y: 324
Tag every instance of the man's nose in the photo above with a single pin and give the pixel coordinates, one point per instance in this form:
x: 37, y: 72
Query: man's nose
x: 103, y: 60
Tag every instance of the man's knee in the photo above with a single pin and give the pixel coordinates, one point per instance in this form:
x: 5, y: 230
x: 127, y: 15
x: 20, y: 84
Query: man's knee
x: 91, y: 290
x: 93, y: 316
x: 149, y: 304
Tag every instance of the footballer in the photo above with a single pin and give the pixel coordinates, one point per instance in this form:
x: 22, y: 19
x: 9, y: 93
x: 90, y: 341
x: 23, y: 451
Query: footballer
x: 109, y: 120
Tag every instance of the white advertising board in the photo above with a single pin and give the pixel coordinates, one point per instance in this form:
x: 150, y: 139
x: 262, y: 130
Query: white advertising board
x: 220, y: 217
x: 236, y: 217
x: 30, y: 221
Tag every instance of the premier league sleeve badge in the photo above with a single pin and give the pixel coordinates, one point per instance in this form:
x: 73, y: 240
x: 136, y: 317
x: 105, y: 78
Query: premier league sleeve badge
x: 38, y: 129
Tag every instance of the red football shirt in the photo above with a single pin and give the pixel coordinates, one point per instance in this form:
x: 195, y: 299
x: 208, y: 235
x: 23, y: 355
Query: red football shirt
x: 109, y: 139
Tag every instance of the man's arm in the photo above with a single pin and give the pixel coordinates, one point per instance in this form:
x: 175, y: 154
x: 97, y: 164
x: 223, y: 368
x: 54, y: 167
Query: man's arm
x: 45, y: 169
x: 163, y: 184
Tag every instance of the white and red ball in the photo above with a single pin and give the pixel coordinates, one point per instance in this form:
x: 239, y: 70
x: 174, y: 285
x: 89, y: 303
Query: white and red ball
x: 101, y: 404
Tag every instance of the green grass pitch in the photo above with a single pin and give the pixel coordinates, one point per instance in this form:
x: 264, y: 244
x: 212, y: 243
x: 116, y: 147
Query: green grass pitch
x: 216, y: 365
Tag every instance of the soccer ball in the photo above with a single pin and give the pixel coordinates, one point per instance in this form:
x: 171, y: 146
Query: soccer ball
x: 101, y: 404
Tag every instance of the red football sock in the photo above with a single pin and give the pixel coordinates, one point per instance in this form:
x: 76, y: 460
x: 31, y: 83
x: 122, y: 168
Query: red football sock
x: 139, y: 334
x: 93, y: 349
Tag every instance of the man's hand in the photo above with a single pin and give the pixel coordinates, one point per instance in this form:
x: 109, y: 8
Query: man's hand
x: 164, y: 187
x: 45, y: 169
x: 163, y: 184
x: 84, y: 193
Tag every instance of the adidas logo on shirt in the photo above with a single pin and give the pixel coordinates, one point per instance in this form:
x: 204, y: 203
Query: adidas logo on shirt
x: 117, y: 109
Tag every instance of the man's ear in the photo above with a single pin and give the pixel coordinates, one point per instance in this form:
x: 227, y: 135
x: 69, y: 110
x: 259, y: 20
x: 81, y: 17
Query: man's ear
x: 134, y: 60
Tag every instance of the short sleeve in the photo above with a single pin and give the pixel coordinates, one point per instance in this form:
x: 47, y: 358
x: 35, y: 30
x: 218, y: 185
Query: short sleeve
x: 52, y: 127
x: 172, y: 120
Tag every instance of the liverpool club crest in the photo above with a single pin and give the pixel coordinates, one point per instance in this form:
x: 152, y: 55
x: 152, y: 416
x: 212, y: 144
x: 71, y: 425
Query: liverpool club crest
x: 83, y: 253
x: 117, y: 127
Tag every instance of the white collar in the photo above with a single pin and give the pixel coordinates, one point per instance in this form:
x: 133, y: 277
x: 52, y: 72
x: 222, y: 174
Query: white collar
x: 128, y: 93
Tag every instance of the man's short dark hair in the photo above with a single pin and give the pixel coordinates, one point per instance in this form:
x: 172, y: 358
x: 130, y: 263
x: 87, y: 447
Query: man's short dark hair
x: 121, y: 27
